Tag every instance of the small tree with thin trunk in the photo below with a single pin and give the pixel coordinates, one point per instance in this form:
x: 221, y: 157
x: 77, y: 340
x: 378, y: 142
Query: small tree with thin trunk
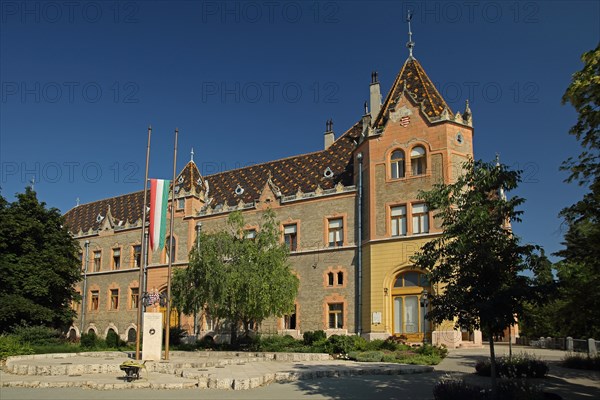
x: 477, y: 264
x: 242, y: 280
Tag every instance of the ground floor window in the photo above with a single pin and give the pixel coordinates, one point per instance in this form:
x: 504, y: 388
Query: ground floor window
x: 336, y: 315
x: 289, y: 320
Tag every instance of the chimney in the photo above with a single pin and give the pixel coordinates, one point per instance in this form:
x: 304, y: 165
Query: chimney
x: 329, y: 138
x: 375, y: 90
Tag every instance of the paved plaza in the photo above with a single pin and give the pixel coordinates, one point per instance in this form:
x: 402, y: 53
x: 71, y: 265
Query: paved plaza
x: 225, y: 375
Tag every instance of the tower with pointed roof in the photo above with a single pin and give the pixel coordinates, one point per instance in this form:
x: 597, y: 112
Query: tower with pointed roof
x: 411, y: 142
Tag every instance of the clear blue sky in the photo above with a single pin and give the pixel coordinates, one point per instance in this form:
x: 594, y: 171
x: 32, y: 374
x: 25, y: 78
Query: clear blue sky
x: 248, y: 82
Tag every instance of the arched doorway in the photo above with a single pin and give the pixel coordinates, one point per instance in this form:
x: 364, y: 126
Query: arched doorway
x: 407, y: 310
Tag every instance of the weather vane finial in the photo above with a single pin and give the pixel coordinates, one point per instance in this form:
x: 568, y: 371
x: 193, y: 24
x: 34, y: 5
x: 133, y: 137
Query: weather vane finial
x: 192, y: 155
x: 410, y: 44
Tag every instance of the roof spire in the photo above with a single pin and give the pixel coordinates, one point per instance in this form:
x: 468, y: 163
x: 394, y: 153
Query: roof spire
x: 410, y: 44
x: 192, y: 155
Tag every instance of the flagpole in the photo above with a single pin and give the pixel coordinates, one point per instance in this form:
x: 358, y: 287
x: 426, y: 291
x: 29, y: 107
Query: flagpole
x: 171, y: 252
x: 141, y: 267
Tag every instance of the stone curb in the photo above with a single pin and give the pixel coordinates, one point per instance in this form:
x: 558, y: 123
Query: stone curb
x: 204, y: 382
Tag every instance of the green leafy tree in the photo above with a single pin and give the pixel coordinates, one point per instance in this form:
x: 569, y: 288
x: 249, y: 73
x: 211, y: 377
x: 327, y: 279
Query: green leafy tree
x: 236, y: 278
x: 477, y: 264
x: 579, y: 273
x: 38, y: 265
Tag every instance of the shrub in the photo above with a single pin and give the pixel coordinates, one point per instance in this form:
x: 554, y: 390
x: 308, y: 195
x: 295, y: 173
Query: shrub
x: 207, y: 342
x: 112, y: 339
x: 88, y: 340
x: 10, y: 345
x: 375, y: 344
x: 451, y: 389
x: 37, y: 335
x: 370, y: 356
x: 311, y: 337
x: 523, y: 365
x: 340, y: 344
x: 429, y: 350
x: 581, y: 361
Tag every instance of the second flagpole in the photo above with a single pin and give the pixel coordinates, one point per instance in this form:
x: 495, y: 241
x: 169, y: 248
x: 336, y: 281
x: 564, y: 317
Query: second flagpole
x: 171, y: 252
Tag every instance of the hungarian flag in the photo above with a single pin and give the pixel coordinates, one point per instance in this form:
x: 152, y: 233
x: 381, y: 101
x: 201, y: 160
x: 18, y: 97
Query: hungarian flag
x: 159, y: 198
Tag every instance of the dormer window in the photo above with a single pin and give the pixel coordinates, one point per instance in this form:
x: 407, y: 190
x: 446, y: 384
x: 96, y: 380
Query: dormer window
x: 397, y: 164
x: 418, y: 160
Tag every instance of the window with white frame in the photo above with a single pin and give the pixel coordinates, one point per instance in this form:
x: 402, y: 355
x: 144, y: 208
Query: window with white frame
x: 397, y: 164
x: 290, y: 236
x: 398, y: 220
x: 336, y: 315
x: 336, y: 232
x: 418, y: 161
x: 420, y: 218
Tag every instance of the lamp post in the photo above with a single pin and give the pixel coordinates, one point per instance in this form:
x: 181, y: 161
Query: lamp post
x: 424, y: 305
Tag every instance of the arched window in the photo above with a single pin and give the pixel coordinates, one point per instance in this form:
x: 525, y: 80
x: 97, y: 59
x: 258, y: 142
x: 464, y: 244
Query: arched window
x: 397, y: 164
x: 408, y: 312
x: 131, y: 335
x: 173, y: 248
x: 418, y: 160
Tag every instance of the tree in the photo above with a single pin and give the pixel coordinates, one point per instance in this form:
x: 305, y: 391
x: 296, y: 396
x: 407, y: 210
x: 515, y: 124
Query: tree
x: 242, y: 280
x: 579, y: 273
x: 38, y: 265
x: 477, y: 264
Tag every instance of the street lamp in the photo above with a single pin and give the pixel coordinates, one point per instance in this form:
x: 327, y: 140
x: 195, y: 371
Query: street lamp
x: 424, y: 305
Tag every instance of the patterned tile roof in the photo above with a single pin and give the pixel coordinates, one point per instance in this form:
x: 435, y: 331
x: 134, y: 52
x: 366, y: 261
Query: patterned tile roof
x: 412, y: 76
x: 303, y: 172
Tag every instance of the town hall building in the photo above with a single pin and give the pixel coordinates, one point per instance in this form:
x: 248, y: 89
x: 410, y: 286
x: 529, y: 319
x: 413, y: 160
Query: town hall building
x: 349, y: 213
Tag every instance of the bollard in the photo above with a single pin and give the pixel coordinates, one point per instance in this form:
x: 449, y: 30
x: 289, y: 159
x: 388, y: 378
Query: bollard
x: 592, y: 352
x: 569, y: 346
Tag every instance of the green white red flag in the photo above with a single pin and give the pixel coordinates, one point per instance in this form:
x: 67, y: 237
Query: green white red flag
x: 159, y: 198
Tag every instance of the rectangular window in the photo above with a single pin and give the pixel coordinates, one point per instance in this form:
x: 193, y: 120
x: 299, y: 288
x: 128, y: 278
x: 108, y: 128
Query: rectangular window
x: 251, y: 234
x: 116, y: 258
x: 290, y: 236
x: 135, y: 297
x: 114, y: 299
x: 336, y: 232
x: 95, y: 300
x: 97, y: 260
x: 420, y: 218
x: 137, y: 256
x: 180, y: 204
x: 336, y: 316
x: 289, y: 320
x: 398, y: 220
